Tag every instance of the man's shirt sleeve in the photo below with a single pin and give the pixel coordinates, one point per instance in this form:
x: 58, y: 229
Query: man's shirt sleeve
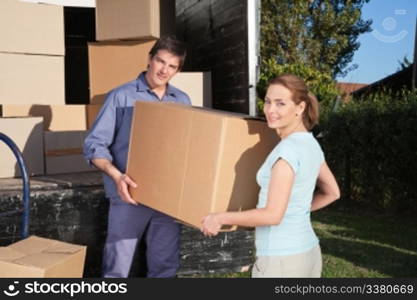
x: 101, y: 135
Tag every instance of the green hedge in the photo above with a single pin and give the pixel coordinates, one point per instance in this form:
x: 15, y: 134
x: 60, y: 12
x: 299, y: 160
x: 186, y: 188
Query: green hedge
x: 371, y: 145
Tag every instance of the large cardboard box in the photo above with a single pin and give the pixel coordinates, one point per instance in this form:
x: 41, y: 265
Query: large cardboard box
x: 64, y: 152
x: 133, y: 19
x: 197, y: 85
x: 31, y: 28
x: 27, y: 134
x: 41, y: 257
x: 190, y: 162
x: 55, y: 117
x: 31, y: 79
x: 114, y: 63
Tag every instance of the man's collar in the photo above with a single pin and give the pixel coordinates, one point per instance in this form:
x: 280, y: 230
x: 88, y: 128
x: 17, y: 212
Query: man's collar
x: 170, y: 90
x: 141, y: 83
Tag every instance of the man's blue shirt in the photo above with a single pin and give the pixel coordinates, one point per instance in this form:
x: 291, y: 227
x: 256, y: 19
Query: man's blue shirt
x: 110, y: 133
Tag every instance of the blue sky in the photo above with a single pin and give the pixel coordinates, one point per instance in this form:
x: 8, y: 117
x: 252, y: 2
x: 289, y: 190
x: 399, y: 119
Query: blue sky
x: 392, y: 38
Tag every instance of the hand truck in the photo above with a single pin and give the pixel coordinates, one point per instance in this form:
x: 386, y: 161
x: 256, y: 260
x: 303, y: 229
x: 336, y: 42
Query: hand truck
x: 26, y: 187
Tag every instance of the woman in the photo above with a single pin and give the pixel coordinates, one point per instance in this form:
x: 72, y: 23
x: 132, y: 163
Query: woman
x: 286, y: 245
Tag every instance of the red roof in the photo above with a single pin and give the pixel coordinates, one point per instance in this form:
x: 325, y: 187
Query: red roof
x: 348, y: 87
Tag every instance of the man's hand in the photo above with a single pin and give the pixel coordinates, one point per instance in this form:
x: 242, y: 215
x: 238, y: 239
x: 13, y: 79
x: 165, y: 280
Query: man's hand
x: 122, y: 180
x: 122, y: 183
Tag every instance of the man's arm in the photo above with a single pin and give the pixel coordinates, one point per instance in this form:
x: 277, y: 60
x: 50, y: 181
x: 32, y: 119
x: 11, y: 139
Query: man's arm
x: 97, y: 143
x: 122, y: 180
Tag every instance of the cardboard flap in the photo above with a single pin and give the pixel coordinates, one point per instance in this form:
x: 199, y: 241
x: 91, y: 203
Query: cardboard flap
x: 63, y: 248
x: 41, y: 260
x: 32, y: 244
x: 7, y: 254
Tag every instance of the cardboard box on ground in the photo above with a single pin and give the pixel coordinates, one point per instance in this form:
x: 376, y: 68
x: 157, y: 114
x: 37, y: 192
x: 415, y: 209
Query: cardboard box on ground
x: 189, y: 162
x: 41, y: 257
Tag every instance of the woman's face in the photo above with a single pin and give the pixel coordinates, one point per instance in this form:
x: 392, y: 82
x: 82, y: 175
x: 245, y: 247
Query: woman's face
x: 280, y: 110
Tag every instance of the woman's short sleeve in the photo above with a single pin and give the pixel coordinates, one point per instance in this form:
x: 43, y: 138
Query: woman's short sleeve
x: 288, y: 153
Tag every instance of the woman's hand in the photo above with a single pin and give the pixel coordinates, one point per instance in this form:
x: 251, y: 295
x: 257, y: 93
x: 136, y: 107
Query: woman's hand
x: 211, y: 225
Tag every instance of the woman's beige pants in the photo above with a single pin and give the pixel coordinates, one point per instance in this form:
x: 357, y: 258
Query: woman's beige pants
x: 307, y: 264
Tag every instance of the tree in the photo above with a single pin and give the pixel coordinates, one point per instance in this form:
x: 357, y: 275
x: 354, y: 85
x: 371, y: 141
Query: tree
x: 321, y: 34
x: 404, y: 64
x: 320, y: 84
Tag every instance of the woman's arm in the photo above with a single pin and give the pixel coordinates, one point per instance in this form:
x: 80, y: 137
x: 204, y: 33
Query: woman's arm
x: 280, y: 185
x: 328, y: 190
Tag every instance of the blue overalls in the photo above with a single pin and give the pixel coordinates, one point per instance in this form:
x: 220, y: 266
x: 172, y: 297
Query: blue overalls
x: 109, y: 139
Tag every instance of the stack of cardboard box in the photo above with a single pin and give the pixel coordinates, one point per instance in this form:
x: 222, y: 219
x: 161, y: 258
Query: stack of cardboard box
x: 50, y: 68
x: 126, y: 31
x: 34, y: 114
x: 33, y: 109
x: 32, y: 53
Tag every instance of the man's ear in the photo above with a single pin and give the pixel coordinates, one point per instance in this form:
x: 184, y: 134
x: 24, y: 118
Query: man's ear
x: 149, y: 61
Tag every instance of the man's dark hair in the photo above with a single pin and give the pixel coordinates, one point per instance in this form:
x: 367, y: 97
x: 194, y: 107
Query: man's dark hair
x: 172, y: 45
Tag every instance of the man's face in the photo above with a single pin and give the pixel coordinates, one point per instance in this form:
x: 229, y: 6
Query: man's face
x: 162, y: 67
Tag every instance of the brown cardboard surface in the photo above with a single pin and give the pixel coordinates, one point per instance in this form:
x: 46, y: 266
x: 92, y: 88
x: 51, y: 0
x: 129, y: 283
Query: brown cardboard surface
x: 41, y: 257
x: 189, y: 161
x: 197, y: 85
x: 92, y: 112
x: 13, y: 270
x: 31, y: 79
x: 63, y: 152
x: 114, y: 63
x: 55, y: 117
x: 32, y: 245
x: 132, y: 19
x: 8, y: 254
x: 27, y: 134
x: 31, y: 28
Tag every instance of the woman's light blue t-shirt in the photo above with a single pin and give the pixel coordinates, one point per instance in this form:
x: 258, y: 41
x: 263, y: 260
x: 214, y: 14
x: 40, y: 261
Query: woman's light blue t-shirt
x: 294, y: 234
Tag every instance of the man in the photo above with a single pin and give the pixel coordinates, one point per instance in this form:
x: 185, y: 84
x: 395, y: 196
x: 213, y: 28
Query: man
x: 106, y: 147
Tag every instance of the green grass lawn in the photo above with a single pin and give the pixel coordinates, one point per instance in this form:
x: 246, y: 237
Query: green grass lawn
x: 355, y: 245
x: 366, y: 246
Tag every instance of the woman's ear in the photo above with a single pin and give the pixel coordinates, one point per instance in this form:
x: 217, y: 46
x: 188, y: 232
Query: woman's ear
x: 300, y: 108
